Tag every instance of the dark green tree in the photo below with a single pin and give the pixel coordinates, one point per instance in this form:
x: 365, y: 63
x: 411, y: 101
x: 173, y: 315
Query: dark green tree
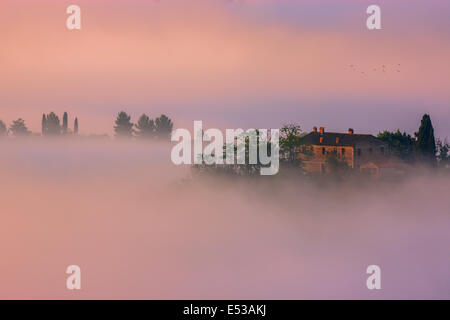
x: 400, y: 144
x: 52, y: 127
x: 163, y: 127
x: 292, y: 150
x: 232, y: 150
x: 246, y: 169
x: 44, y: 125
x: 290, y: 142
x: 443, y: 152
x: 145, y: 127
x: 123, y: 127
x: 65, y: 123
x: 75, y: 126
x: 19, y: 129
x: 425, y: 141
x: 3, y: 129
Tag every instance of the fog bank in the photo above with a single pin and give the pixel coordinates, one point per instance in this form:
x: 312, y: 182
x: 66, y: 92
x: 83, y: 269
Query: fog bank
x: 141, y: 228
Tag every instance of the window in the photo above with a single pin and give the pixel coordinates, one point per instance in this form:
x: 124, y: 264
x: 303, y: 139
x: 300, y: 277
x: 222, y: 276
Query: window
x: 343, y: 151
x: 359, y: 152
x: 382, y: 149
x: 370, y: 150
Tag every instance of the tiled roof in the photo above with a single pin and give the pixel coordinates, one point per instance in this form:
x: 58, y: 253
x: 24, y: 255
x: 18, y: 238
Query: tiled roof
x: 340, y: 139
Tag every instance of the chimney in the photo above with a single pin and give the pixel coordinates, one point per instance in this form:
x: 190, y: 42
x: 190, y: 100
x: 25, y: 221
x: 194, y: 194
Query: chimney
x: 322, y: 129
x: 314, y: 129
x: 350, y: 131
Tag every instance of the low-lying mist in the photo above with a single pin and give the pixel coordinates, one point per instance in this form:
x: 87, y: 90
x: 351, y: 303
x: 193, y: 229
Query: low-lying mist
x: 142, y: 228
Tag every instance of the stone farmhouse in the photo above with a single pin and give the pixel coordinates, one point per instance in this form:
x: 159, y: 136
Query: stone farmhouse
x: 355, y: 150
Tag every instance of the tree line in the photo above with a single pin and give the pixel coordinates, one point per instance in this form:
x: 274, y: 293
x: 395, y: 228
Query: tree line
x: 423, y: 147
x: 145, y: 128
x: 50, y: 126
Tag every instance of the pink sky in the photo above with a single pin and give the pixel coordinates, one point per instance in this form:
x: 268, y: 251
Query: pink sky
x: 250, y: 64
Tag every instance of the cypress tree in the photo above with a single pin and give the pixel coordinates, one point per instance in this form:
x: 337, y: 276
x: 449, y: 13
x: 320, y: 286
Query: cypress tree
x: 75, y: 126
x: 3, y: 129
x: 65, y: 124
x: 53, y: 126
x: 426, y: 143
x: 44, y: 125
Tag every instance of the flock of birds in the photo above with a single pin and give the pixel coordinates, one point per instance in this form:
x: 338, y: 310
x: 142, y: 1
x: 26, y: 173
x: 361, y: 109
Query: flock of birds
x: 382, y: 69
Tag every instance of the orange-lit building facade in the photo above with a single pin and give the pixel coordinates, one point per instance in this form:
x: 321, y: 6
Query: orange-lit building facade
x: 349, y: 148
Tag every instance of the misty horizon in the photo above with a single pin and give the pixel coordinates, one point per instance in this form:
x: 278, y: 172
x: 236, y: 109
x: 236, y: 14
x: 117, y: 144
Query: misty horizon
x: 142, y: 228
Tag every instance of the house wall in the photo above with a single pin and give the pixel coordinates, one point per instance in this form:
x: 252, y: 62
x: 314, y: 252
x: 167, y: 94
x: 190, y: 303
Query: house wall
x: 369, y: 152
x: 316, y: 161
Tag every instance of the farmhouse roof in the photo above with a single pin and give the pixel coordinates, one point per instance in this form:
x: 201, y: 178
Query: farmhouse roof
x: 339, y: 139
